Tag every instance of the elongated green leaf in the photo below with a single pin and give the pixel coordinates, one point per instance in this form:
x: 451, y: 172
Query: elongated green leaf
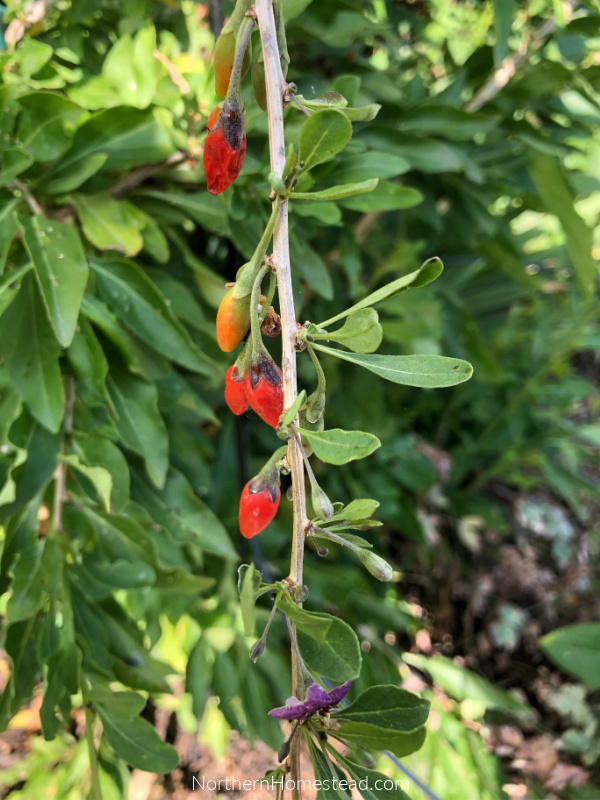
x: 21, y: 643
x: 426, y: 273
x: 36, y: 573
x: 339, y: 447
x: 439, y: 119
x: 387, y: 707
x: 576, y: 649
x: 292, y: 8
x: 311, y: 266
x: 182, y: 301
x: 131, y: 68
x: 332, y: 783
x: 8, y: 228
x: 61, y: 681
x: 361, y: 332
x: 556, y: 195
x: 358, y: 509
x: 198, y: 675
x: 27, y: 588
x: 327, y: 100
x: 369, y: 165
x: 15, y: 160
x: 363, y: 113
x: 249, y: 582
x: 504, y: 13
x: 210, y: 284
x: 135, y: 740
x: 127, y: 136
x: 210, y: 212
x: 61, y: 181
x: 375, y: 738
x: 118, y: 574
x: 427, y: 371
x: 338, y: 192
x: 387, y: 196
x: 10, y: 409
x: 29, y: 477
x: 590, y: 433
x: 155, y: 241
x: 323, y: 135
x: 10, y: 284
x: 139, y: 424
x: 47, y: 124
x: 138, y: 356
x: 108, y: 224
x: 174, y: 390
x: 98, y: 476
x: 32, y: 55
x: 141, y: 306
x: 97, y: 451
x: 88, y: 360
x: 292, y: 412
x: 30, y: 353
x: 461, y: 683
x: 185, y: 516
x: 61, y: 269
x: 372, y: 785
x: 328, y: 645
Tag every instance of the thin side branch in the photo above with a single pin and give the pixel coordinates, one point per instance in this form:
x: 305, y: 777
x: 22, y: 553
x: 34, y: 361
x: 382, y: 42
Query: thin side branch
x: 512, y: 64
x: 276, y: 87
x: 139, y: 175
x: 27, y: 196
x: 61, y: 470
x: 173, y: 72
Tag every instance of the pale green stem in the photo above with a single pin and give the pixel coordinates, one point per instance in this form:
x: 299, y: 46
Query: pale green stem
x: 89, y: 735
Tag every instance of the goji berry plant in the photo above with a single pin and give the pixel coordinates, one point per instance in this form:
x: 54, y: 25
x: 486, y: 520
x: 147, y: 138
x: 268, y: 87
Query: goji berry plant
x: 324, y: 649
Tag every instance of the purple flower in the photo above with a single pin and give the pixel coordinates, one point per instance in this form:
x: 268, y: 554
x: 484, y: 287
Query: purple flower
x: 317, y: 699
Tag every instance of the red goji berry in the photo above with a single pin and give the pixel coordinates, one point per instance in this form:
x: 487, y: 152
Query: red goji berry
x: 225, y: 147
x: 222, y: 163
x: 233, y: 321
x: 258, y: 506
x: 235, y: 390
x: 264, y: 389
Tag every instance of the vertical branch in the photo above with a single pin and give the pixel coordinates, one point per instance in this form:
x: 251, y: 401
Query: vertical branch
x: 275, y: 85
x: 61, y: 470
x: 96, y: 789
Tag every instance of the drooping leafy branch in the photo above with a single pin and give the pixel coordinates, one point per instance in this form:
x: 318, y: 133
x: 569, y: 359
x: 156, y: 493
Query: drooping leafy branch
x: 323, y: 647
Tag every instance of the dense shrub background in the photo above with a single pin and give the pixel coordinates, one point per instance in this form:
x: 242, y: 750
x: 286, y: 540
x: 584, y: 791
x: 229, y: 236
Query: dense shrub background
x: 103, y: 191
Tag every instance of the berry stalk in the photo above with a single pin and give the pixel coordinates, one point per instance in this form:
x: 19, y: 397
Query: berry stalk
x: 276, y: 87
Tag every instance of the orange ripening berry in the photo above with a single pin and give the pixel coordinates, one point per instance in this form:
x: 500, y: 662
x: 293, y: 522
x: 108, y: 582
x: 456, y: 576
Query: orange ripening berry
x: 233, y: 321
x: 213, y: 116
x: 235, y: 391
x: 223, y: 61
x: 258, y: 506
